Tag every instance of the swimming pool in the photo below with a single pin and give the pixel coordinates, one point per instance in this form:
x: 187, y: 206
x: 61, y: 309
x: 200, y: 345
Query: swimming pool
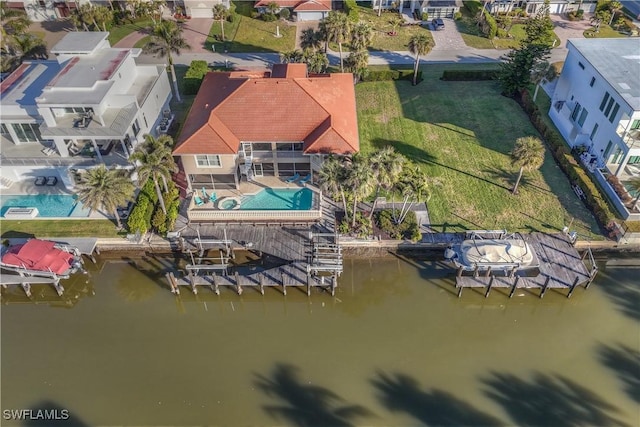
x: 279, y: 199
x: 49, y: 205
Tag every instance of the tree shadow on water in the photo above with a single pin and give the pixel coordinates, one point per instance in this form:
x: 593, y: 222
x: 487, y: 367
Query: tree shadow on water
x: 624, y: 295
x: 433, y: 407
x: 550, y: 400
x: 625, y: 361
x: 305, y: 404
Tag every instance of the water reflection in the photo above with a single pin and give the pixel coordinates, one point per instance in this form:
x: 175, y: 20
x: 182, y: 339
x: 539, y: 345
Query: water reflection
x: 625, y: 361
x: 619, y: 289
x: 304, y: 404
x: 552, y: 400
x: 400, y: 392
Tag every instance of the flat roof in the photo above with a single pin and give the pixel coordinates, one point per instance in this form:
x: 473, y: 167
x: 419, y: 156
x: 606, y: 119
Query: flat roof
x: 84, y: 71
x: 79, y: 42
x: 27, y: 83
x: 618, y: 61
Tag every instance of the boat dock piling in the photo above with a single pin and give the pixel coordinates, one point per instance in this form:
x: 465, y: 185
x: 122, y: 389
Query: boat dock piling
x: 312, y: 260
x: 561, y: 267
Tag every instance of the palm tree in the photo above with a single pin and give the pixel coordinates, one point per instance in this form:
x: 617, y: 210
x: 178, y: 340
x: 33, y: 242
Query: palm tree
x: 386, y: 166
x: 310, y: 39
x: 273, y: 7
x: 291, y: 56
x: 412, y: 184
x: 614, y: 7
x: 395, y: 21
x: 331, y: 179
x: 635, y: 185
x: 357, y: 63
x: 317, y: 62
x: 361, y: 36
x: 528, y: 153
x: 542, y: 71
x: 221, y: 13
x: 360, y: 181
x: 337, y: 29
x: 12, y: 22
x: 154, y: 160
x: 105, y: 189
x: 165, y: 40
x: 102, y: 15
x: 419, y: 45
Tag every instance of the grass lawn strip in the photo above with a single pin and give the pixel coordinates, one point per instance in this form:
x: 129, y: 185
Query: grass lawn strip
x: 461, y: 133
x: 119, y: 32
x: 59, y: 228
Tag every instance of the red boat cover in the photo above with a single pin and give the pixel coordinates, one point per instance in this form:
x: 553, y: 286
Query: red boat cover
x: 39, y: 255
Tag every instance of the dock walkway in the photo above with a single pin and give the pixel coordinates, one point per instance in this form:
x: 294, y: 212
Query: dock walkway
x: 561, y: 267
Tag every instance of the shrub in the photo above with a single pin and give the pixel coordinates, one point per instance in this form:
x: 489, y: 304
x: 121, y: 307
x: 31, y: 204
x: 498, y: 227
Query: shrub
x: 619, y: 188
x: 457, y: 16
x: 425, y: 16
x: 140, y: 217
x: 159, y: 221
x: 351, y: 8
x: 490, y: 27
x: 408, y: 229
x: 194, y: 75
x: 285, y: 13
x: 255, y: 14
x: 269, y: 17
x: 473, y: 7
x: 469, y: 75
x: 231, y: 17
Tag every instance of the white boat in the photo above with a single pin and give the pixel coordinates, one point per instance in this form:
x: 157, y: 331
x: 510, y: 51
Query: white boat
x: 504, y: 254
x: 42, y: 258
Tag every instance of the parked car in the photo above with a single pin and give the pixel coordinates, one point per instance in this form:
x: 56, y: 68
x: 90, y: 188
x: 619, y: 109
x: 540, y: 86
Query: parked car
x: 438, y: 24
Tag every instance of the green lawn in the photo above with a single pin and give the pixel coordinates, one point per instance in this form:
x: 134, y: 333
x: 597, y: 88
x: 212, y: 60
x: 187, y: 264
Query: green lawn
x: 58, y: 228
x: 119, y: 32
x: 606, y: 32
x: 248, y: 35
x: 143, y: 41
x: 461, y: 133
x: 381, y: 39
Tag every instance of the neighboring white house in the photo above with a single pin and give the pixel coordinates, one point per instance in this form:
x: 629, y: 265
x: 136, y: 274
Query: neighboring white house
x: 596, y: 102
x: 92, y: 105
x: 446, y: 8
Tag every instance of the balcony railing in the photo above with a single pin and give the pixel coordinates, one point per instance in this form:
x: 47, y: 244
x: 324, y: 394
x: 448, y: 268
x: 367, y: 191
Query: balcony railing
x: 252, y: 216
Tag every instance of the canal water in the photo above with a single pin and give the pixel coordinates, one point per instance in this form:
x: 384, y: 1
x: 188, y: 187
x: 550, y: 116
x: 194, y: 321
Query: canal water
x: 395, y: 347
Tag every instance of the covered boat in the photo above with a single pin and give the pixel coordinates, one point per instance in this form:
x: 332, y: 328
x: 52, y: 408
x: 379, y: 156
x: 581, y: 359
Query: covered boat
x: 42, y: 258
x: 501, y: 252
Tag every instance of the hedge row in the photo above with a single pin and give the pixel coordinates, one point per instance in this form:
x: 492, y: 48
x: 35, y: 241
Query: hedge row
x: 387, y: 75
x: 408, y: 229
x: 469, y: 75
x: 194, y: 75
x: 140, y: 217
x: 598, y: 205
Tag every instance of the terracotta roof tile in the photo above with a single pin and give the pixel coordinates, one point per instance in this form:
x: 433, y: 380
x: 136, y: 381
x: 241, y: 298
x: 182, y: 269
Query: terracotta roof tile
x: 319, y: 111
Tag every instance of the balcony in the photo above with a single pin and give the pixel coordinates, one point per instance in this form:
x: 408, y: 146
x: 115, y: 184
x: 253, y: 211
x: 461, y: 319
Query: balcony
x: 117, y: 121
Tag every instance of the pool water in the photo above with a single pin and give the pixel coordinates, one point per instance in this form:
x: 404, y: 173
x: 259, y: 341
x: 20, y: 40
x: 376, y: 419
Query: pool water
x: 49, y: 205
x: 279, y: 199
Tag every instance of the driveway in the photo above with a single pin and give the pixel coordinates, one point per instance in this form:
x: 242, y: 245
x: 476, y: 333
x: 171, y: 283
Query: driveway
x: 448, y: 38
x: 566, y: 29
x: 51, y: 31
x: 195, y: 32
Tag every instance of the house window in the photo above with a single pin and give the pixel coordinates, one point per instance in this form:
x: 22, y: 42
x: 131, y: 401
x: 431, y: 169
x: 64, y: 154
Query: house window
x: 581, y: 65
x: 208, y: 161
x: 635, y: 124
x: 593, y: 132
x: 27, y: 132
x: 3, y: 129
x: 593, y: 80
x: 261, y: 146
x: 608, y: 109
x: 607, y: 150
x: 136, y: 127
x: 614, y: 112
x: 583, y: 116
x: 288, y: 146
x: 576, y: 111
x: 604, y: 101
x: 146, y: 125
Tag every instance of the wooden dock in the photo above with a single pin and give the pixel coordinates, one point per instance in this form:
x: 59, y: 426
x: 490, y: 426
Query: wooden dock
x: 561, y: 267
x: 297, y: 274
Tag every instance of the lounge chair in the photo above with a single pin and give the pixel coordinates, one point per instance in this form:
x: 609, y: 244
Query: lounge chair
x: 40, y: 181
x: 51, y: 181
x: 306, y: 179
x: 293, y: 178
x: 197, y: 200
x: 213, y: 197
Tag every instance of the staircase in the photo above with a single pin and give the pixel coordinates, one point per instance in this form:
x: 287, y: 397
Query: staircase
x: 5, y: 182
x: 248, y: 170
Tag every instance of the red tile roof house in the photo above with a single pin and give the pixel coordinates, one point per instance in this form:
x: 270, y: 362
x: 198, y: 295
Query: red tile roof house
x: 248, y: 131
x: 305, y: 10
